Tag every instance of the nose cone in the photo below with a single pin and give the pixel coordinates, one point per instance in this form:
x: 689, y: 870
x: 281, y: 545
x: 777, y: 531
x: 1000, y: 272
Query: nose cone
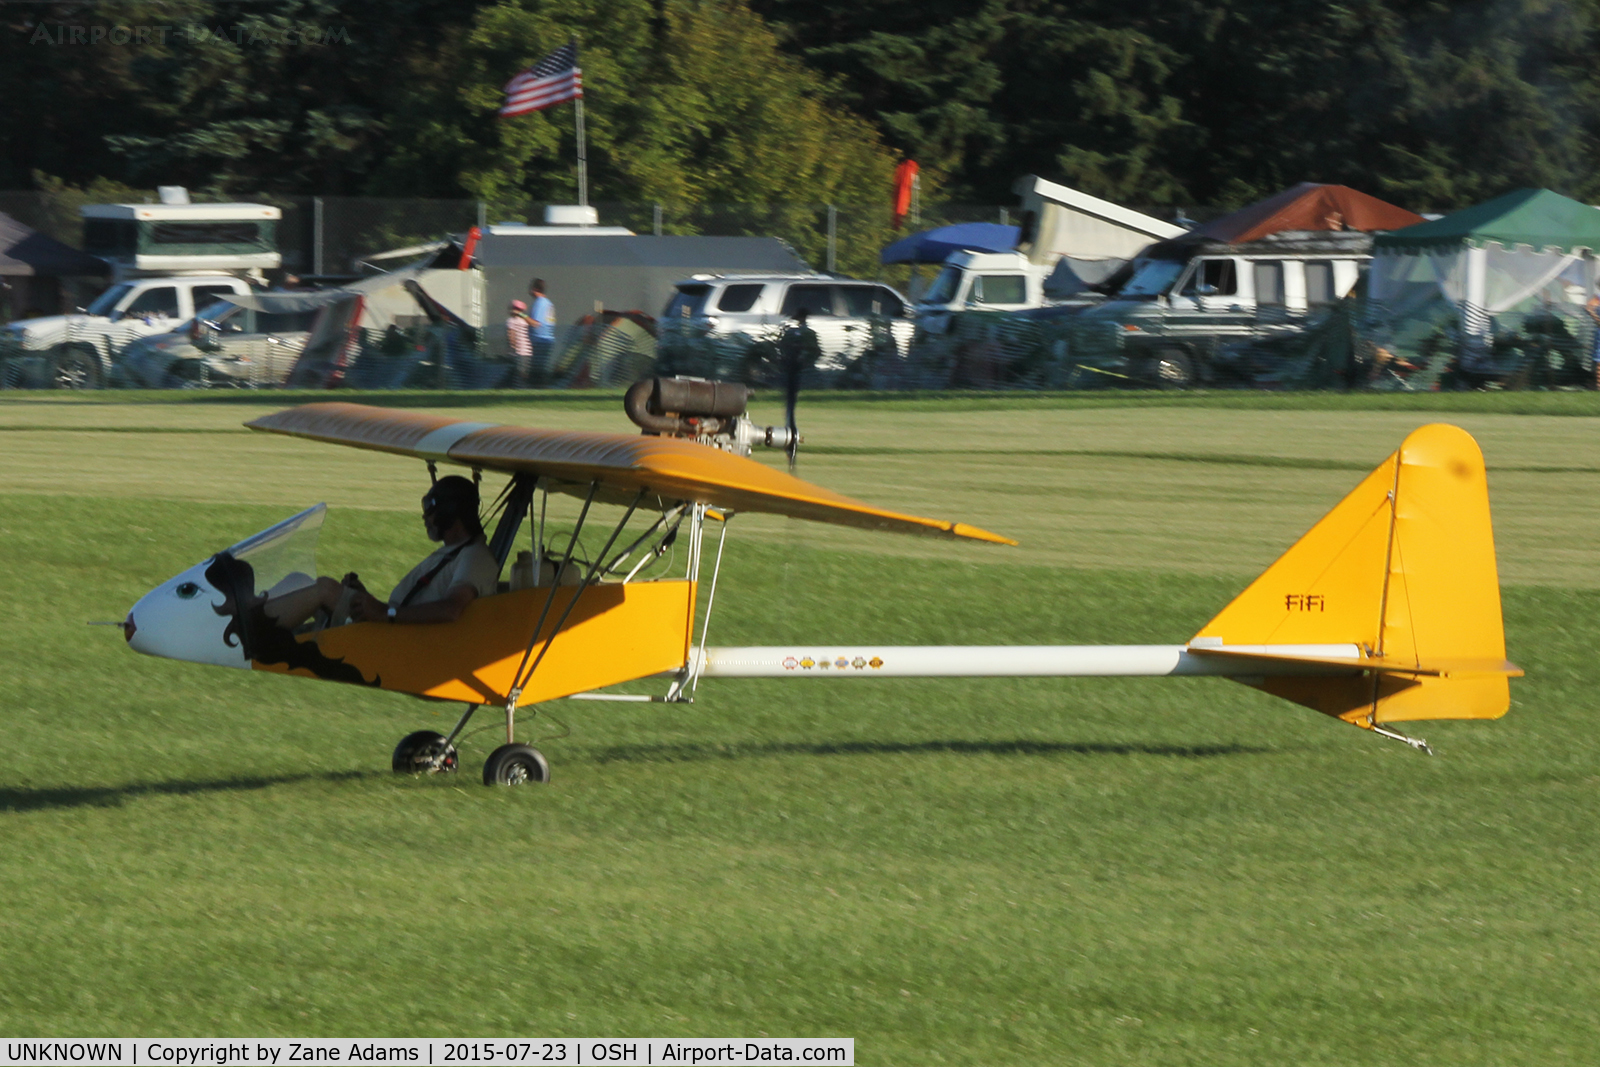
x: 186, y: 618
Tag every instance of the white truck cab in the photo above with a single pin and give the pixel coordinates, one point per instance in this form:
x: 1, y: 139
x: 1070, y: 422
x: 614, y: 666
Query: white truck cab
x: 1295, y: 283
x: 169, y: 260
x: 83, y: 345
x: 1067, y: 242
x: 985, y: 281
x: 1181, y: 305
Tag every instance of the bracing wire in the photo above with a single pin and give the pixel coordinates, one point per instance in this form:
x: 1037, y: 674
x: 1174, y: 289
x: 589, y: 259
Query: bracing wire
x: 566, y: 731
x: 711, y: 599
x: 550, y: 598
x: 520, y: 679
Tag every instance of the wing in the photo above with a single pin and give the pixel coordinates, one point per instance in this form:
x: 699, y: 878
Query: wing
x: 622, y: 463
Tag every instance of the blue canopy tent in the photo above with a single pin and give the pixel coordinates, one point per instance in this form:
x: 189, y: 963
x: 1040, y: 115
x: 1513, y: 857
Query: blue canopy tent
x: 934, y: 246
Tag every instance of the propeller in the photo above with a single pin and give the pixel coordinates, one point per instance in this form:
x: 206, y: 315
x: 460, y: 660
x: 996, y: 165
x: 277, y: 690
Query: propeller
x: 794, y: 348
x: 791, y: 393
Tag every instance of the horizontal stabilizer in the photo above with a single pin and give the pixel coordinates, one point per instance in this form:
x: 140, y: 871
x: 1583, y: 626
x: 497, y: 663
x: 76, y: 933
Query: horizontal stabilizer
x: 1465, y: 667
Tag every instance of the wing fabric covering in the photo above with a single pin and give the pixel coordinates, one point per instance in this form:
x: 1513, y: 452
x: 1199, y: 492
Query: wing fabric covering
x: 622, y: 463
x: 1404, y: 568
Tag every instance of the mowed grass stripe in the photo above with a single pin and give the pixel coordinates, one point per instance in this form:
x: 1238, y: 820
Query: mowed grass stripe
x: 1075, y: 488
x: 885, y: 451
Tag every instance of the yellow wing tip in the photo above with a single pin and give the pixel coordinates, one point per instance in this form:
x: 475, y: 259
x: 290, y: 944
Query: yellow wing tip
x: 973, y: 533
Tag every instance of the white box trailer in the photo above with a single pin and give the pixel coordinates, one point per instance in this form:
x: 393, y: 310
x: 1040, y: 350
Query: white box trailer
x: 176, y: 238
x: 586, y: 271
x: 585, y: 268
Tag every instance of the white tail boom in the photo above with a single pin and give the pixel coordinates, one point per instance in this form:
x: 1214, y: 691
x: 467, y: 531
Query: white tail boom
x: 1387, y: 610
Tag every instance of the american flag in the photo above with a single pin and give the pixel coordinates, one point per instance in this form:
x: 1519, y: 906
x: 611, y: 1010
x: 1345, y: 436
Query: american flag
x: 555, y: 79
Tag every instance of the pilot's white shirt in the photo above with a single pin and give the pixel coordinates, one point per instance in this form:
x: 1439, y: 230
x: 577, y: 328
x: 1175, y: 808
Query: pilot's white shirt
x: 474, y: 565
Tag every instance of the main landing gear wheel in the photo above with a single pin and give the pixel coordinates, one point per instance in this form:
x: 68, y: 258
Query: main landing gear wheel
x: 425, y: 752
x: 516, y: 765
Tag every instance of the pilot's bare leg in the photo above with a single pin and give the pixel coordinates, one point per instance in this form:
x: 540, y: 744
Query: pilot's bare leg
x: 291, y: 609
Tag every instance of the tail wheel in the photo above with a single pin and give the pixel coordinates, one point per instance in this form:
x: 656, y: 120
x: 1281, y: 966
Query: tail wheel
x: 516, y: 765
x: 1171, y: 368
x: 74, y: 367
x: 424, y: 752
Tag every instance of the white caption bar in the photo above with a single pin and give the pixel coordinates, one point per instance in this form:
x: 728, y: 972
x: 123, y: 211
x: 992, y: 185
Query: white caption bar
x: 432, y: 1052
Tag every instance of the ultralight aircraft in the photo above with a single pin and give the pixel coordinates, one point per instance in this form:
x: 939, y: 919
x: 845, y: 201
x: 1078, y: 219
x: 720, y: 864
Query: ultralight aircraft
x: 1387, y: 610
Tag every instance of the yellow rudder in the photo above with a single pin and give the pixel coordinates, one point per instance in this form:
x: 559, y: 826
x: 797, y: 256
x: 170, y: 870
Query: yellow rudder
x: 1403, y: 568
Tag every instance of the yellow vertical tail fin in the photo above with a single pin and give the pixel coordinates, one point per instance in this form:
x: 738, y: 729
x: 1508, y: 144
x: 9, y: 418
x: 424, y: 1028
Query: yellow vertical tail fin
x: 1404, y: 568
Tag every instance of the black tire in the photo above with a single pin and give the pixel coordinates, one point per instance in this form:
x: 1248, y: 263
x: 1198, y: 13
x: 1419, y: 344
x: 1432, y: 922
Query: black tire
x: 424, y: 752
x: 1171, y: 368
x: 75, y: 367
x: 516, y: 765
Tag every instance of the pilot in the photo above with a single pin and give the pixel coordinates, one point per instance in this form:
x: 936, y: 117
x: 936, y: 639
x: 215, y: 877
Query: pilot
x: 438, y: 589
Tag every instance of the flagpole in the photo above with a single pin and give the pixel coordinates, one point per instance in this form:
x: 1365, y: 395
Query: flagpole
x: 583, y: 157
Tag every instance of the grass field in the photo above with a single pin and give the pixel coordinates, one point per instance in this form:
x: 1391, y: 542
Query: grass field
x: 1020, y: 871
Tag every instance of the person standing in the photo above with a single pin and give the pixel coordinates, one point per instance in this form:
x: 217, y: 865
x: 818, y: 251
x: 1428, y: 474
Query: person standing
x: 518, y: 340
x: 1592, y: 308
x: 541, y: 328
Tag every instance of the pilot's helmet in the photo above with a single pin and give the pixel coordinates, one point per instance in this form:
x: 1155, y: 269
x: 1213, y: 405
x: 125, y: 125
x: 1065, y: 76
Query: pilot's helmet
x: 452, y: 498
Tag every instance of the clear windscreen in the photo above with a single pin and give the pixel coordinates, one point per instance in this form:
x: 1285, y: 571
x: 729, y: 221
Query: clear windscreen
x: 222, y: 313
x: 106, y: 302
x: 686, y: 302
x: 1151, y: 279
x: 944, y: 287
x: 284, y: 556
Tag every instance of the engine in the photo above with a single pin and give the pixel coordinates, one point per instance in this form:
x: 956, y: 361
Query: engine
x: 712, y: 413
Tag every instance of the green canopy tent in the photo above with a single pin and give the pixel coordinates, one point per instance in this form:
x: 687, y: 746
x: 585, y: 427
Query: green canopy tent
x: 1526, y: 247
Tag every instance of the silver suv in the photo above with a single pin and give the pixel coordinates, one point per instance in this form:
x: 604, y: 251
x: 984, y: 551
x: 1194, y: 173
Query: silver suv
x: 225, y: 345
x: 744, y: 311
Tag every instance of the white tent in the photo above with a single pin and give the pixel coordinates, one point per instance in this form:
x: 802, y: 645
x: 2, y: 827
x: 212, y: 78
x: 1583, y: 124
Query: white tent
x: 1530, y: 247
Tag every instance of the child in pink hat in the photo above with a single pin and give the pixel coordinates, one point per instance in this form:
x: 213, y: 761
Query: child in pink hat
x: 517, y: 338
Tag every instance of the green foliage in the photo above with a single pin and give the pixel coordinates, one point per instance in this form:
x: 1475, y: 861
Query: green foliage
x: 224, y: 96
x: 695, y: 103
x: 59, y: 202
x: 688, y: 104
x: 1437, y: 105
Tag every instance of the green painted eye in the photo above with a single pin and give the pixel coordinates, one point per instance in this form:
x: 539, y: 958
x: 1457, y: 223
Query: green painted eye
x: 188, y: 591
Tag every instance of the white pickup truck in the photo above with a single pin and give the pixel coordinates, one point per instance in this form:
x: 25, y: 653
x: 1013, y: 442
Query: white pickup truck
x: 1068, y: 241
x: 76, y: 351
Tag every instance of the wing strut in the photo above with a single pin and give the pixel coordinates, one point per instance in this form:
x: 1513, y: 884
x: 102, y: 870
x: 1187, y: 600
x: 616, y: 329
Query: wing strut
x: 711, y: 599
x: 544, y: 613
x: 520, y: 679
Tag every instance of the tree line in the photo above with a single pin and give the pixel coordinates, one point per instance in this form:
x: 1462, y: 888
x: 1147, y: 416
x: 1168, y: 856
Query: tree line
x: 1431, y: 104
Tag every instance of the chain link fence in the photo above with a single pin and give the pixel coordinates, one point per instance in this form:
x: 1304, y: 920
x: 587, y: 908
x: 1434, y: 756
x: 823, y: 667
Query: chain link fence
x: 1354, y: 344
x: 1346, y: 347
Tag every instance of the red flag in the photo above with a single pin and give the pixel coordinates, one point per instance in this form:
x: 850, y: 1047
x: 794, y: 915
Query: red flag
x: 905, y: 180
x: 474, y: 235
